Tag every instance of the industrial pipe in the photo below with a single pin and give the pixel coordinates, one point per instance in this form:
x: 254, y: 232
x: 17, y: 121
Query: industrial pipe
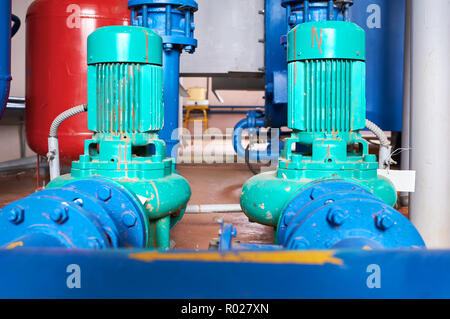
x: 384, y: 153
x: 430, y: 118
x: 5, y: 53
x: 213, y: 208
x: 53, y: 147
x: 406, y: 116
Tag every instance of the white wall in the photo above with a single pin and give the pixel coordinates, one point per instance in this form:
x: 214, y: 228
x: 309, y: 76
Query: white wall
x: 19, y: 8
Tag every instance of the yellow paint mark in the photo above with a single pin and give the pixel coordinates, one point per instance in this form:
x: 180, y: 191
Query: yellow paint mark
x: 14, y: 245
x: 367, y: 248
x: 280, y: 257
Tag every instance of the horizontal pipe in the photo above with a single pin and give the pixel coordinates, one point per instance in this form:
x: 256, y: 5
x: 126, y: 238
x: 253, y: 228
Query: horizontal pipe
x: 232, y: 107
x: 18, y: 164
x: 213, y: 208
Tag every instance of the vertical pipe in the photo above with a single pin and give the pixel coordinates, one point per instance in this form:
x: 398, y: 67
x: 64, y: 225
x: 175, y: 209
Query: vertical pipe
x: 133, y: 16
x: 171, y: 64
x: 406, y: 100
x: 346, y: 12
x: 306, y: 11
x: 288, y: 15
x: 169, y: 20
x: 430, y: 118
x: 330, y: 9
x: 145, y: 16
x: 162, y: 232
x: 187, y: 19
x: 5, y: 53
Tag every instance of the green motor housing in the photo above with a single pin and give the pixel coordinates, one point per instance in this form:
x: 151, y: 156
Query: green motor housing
x: 125, y: 111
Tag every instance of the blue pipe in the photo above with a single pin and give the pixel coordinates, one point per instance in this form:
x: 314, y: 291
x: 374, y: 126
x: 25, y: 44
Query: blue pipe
x: 5, y: 53
x: 171, y: 86
x: 94, y: 213
x: 173, y: 20
x: 340, y: 215
x: 252, y: 122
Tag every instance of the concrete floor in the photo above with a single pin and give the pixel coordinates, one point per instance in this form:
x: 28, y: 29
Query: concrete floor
x: 216, y: 184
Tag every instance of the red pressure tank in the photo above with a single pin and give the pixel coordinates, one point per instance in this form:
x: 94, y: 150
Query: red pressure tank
x: 56, y: 67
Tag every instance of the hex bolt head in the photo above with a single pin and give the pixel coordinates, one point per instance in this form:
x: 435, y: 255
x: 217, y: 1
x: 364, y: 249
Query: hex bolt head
x: 384, y: 221
x: 292, y: 19
x: 300, y: 243
x: 129, y: 219
x: 168, y: 46
x: 16, y: 215
x: 288, y: 218
x: 337, y: 216
x: 94, y: 243
x: 317, y: 192
x: 60, y: 215
x: 78, y: 202
x: 104, y: 193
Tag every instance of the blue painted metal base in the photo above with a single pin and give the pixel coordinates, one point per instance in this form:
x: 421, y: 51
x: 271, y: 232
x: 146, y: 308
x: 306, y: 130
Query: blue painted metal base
x: 335, y: 214
x: 32, y: 273
x: 340, y: 214
x: 86, y: 214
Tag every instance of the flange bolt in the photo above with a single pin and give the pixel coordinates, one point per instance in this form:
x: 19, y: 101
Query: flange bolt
x: 16, y: 215
x: 104, y: 193
x: 384, y: 221
x: 299, y: 243
x: 129, y: 219
x: 337, y: 216
x: 94, y: 243
x: 317, y: 192
x: 288, y: 218
x: 60, y: 215
x: 168, y: 46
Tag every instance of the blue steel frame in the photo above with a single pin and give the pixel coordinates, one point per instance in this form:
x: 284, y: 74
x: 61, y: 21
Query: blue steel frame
x: 173, y: 20
x: 5, y: 53
x: 123, y: 273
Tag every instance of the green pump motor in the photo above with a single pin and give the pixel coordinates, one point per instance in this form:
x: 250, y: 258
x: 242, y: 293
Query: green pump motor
x: 326, y: 191
x: 125, y: 111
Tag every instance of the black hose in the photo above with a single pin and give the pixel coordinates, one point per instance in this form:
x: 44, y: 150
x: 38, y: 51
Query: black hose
x: 16, y: 25
x: 247, y: 161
